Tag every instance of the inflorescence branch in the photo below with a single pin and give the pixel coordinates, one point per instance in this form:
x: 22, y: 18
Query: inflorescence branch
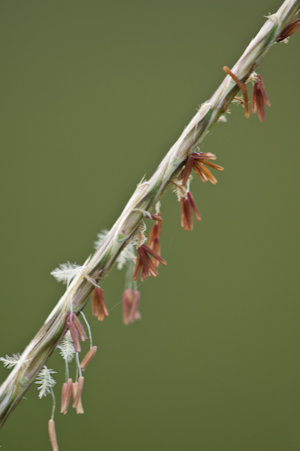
x: 174, y: 169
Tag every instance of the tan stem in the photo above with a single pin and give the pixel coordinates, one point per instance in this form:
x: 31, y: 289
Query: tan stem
x: 144, y: 198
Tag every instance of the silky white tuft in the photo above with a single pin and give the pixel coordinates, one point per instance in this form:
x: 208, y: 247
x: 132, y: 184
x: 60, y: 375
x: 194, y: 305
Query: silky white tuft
x: 66, y: 272
x: 100, y: 238
x: 46, y: 381
x: 10, y: 362
x: 66, y: 347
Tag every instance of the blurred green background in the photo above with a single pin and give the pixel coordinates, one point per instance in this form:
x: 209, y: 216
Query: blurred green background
x: 94, y: 93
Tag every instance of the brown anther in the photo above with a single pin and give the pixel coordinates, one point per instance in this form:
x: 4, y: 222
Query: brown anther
x: 99, y: 308
x: 259, y: 98
x: 66, y: 396
x: 194, y: 206
x: 79, y: 407
x: 76, y: 393
x: 154, y: 238
x: 79, y: 327
x: 156, y: 247
x: 154, y: 232
x: 242, y: 87
x: 186, y: 214
x: 198, y: 161
x: 290, y: 29
x: 74, y: 335
x: 157, y: 217
x: 187, y: 206
x: 78, y: 402
x: 52, y: 435
x: 88, y: 357
x: 131, y: 301
x: 145, y: 264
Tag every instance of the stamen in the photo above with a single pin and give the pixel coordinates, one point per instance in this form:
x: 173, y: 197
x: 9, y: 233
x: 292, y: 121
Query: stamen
x: 145, y: 264
x: 88, y: 358
x: 242, y: 87
x: 99, y: 308
x: 52, y: 435
x: 74, y: 335
x: 66, y: 395
x: 77, y: 395
x: 259, y: 98
x: 79, y: 327
x: 187, y: 206
x: 290, y: 29
x: 131, y: 302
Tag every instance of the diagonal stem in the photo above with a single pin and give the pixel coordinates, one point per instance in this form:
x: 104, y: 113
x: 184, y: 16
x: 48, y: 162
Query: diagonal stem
x: 145, y: 196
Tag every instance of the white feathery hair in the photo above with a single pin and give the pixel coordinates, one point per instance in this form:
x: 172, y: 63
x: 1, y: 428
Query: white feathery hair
x: 10, y: 362
x: 68, y: 271
x: 66, y: 348
x: 46, y: 381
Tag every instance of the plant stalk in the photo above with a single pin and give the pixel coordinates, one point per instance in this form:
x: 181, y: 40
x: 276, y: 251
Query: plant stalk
x: 145, y: 197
